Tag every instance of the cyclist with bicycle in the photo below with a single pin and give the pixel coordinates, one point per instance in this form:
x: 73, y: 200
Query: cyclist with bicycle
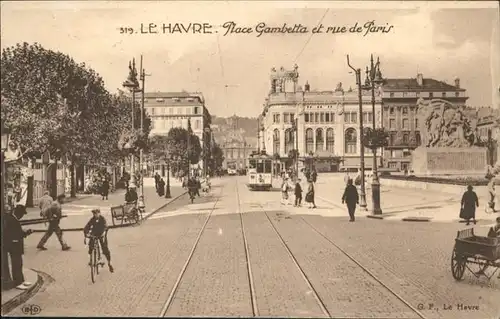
x: 97, y: 228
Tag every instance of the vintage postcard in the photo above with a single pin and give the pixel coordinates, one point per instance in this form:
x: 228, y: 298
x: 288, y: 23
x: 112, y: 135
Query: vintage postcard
x: 330, y: 159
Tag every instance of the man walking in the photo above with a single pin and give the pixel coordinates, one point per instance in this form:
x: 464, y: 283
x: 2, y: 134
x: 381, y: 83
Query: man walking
x: 351, y: 198
x: 54, y: 214
x: 44, y: 204
x: 14, y: 245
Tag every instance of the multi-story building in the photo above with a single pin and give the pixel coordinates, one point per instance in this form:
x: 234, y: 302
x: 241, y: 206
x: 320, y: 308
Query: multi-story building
x: 327, y: 123
x: 488, y: 130
x: 235, y: 146
x: 173, y: 109
x: 399, y: 100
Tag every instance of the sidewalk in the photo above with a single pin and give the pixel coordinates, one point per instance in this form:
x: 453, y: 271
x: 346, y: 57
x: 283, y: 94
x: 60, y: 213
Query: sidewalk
x: 79, y: 211
x: 12, y: 298
x: 401, y: 203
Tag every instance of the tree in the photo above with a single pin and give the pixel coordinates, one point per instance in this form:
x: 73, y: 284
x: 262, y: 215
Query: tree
x: 178, y: 148
x: 374, y: 139
x: 217, y: 157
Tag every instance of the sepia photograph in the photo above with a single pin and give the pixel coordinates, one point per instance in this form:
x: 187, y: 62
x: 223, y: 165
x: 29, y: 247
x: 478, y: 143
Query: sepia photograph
x: 297, y: 159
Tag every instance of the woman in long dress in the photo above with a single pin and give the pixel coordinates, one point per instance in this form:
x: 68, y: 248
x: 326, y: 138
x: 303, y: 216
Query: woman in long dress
x: 310, y: 195
x: 468, y: 205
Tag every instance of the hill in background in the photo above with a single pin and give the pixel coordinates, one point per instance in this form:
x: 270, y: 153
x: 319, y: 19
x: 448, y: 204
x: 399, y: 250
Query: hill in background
x: 227, y: 126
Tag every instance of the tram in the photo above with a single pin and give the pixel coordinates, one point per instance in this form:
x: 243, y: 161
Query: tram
x: 231, y: 169
x: 259, y: 172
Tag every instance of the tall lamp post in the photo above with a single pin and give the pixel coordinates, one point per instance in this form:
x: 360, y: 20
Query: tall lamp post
x: 374, y: 78
x: 295, y: 130
x: 167, y: 190
x: 132, y: 85
x: 362, y: 193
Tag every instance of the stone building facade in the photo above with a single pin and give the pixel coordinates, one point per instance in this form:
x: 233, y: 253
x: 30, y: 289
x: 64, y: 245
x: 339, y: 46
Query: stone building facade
x: 399, y: 100
x: 173, y: 109
x: 327, y: 123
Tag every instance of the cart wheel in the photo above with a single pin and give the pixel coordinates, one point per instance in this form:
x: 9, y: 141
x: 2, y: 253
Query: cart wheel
x: 457, y: 265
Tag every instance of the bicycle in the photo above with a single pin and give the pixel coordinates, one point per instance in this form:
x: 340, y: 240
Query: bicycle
x: 95, y: 254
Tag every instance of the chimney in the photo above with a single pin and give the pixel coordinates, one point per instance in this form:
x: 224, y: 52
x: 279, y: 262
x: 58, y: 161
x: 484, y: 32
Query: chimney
x: 420, y: 79
x: 457, y: 83
x: 307, y: 87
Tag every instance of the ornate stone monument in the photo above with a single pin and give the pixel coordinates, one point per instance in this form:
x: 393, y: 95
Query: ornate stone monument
x: 448, y: 140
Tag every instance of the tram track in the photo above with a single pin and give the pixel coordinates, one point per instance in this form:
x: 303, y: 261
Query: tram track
x: 177, y: 283
x: 316, y: 294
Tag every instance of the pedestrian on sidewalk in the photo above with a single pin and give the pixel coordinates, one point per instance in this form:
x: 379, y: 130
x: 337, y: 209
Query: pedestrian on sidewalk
x: 105, y: 189
x: 131, y: 194
x: 468, y: 205
x: 157, y: 180
x: 284, y: 191
x: 314, y: 175
x: 310, y: 194
x: 160, y: 188
x: 350, y: 198
x: 298, y: 193
x: 492, y: 196
x: 54, y: 215
x: 13, y: 235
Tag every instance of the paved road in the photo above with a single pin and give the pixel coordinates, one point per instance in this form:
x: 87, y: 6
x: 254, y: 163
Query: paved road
x: 302, y: 262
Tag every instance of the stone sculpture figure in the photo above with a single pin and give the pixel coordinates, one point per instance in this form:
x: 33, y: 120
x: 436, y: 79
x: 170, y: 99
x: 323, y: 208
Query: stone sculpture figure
x: 339, y: 87
x: 444, y: 125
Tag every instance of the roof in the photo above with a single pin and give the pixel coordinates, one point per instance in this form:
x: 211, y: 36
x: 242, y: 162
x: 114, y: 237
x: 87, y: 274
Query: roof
x: 411, y: 84
x: 169, y: 94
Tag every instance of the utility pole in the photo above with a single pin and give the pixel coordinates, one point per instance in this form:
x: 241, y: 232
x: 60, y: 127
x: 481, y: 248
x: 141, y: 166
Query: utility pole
x: 258, y: 134
x: 362, y: 200
x: 142, y: 77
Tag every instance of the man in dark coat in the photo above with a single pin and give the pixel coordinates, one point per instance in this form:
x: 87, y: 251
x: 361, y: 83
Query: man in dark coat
x: 298, y: 193
x: 54, y: 215
x: 351, y: 198
x: 13, y: 236
x: 105, y: 189
x: 157, y: 181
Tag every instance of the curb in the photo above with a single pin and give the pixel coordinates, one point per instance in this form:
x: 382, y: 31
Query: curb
x: 124, y: 225
x: 23, y: 296
x: 417, y: 219
x: 375, y: 216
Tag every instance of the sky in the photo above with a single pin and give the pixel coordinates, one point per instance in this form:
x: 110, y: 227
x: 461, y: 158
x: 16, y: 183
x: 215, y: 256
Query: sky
x: 441, y: 40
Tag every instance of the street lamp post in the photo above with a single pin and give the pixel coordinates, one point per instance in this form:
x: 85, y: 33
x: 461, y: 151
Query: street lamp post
x: 362, y: 193
x: 132, y: 84
x: 373, y: 78
x: 295, y: 129
x: 167, y: 190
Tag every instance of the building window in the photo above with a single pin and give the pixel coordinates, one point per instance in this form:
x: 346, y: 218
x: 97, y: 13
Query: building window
x: 391, y: 94
x: 306, y: 117
x: 197, y: 125
x: 152, y: 111
x: 292, y: 117
x: 457, y: 94
x: 289, y: 140
x: 406, y: 125
x: 319, y: 139
x: 327, y: 117
x: 405, y: 110
x: 276, y: 141
x: 393, y: 165
x: 170, y: 111
x: 431, y: 95
x: 418, y: 138
x: 316, y: 117
x: 406, y: 154
x: 416, y: 124
x: 350, y: 141
x: 276, y: 118
x: 391, y: 111
x: 195, y: 110
x: 392, y: 123
x: 286, y: 118
x: 347, y: 117
x: 392, y: 138
x: 309, y: 140
x: 393, y: 153
x: 405, y: 138
x: 322, y: 117
x: 354, y: 117
x: 330, y: 140
x: 443, y: 94
x: 332, y: 117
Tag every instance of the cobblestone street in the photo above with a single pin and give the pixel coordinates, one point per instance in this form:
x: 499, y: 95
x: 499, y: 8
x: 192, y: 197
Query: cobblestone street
x: 234, y: 252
